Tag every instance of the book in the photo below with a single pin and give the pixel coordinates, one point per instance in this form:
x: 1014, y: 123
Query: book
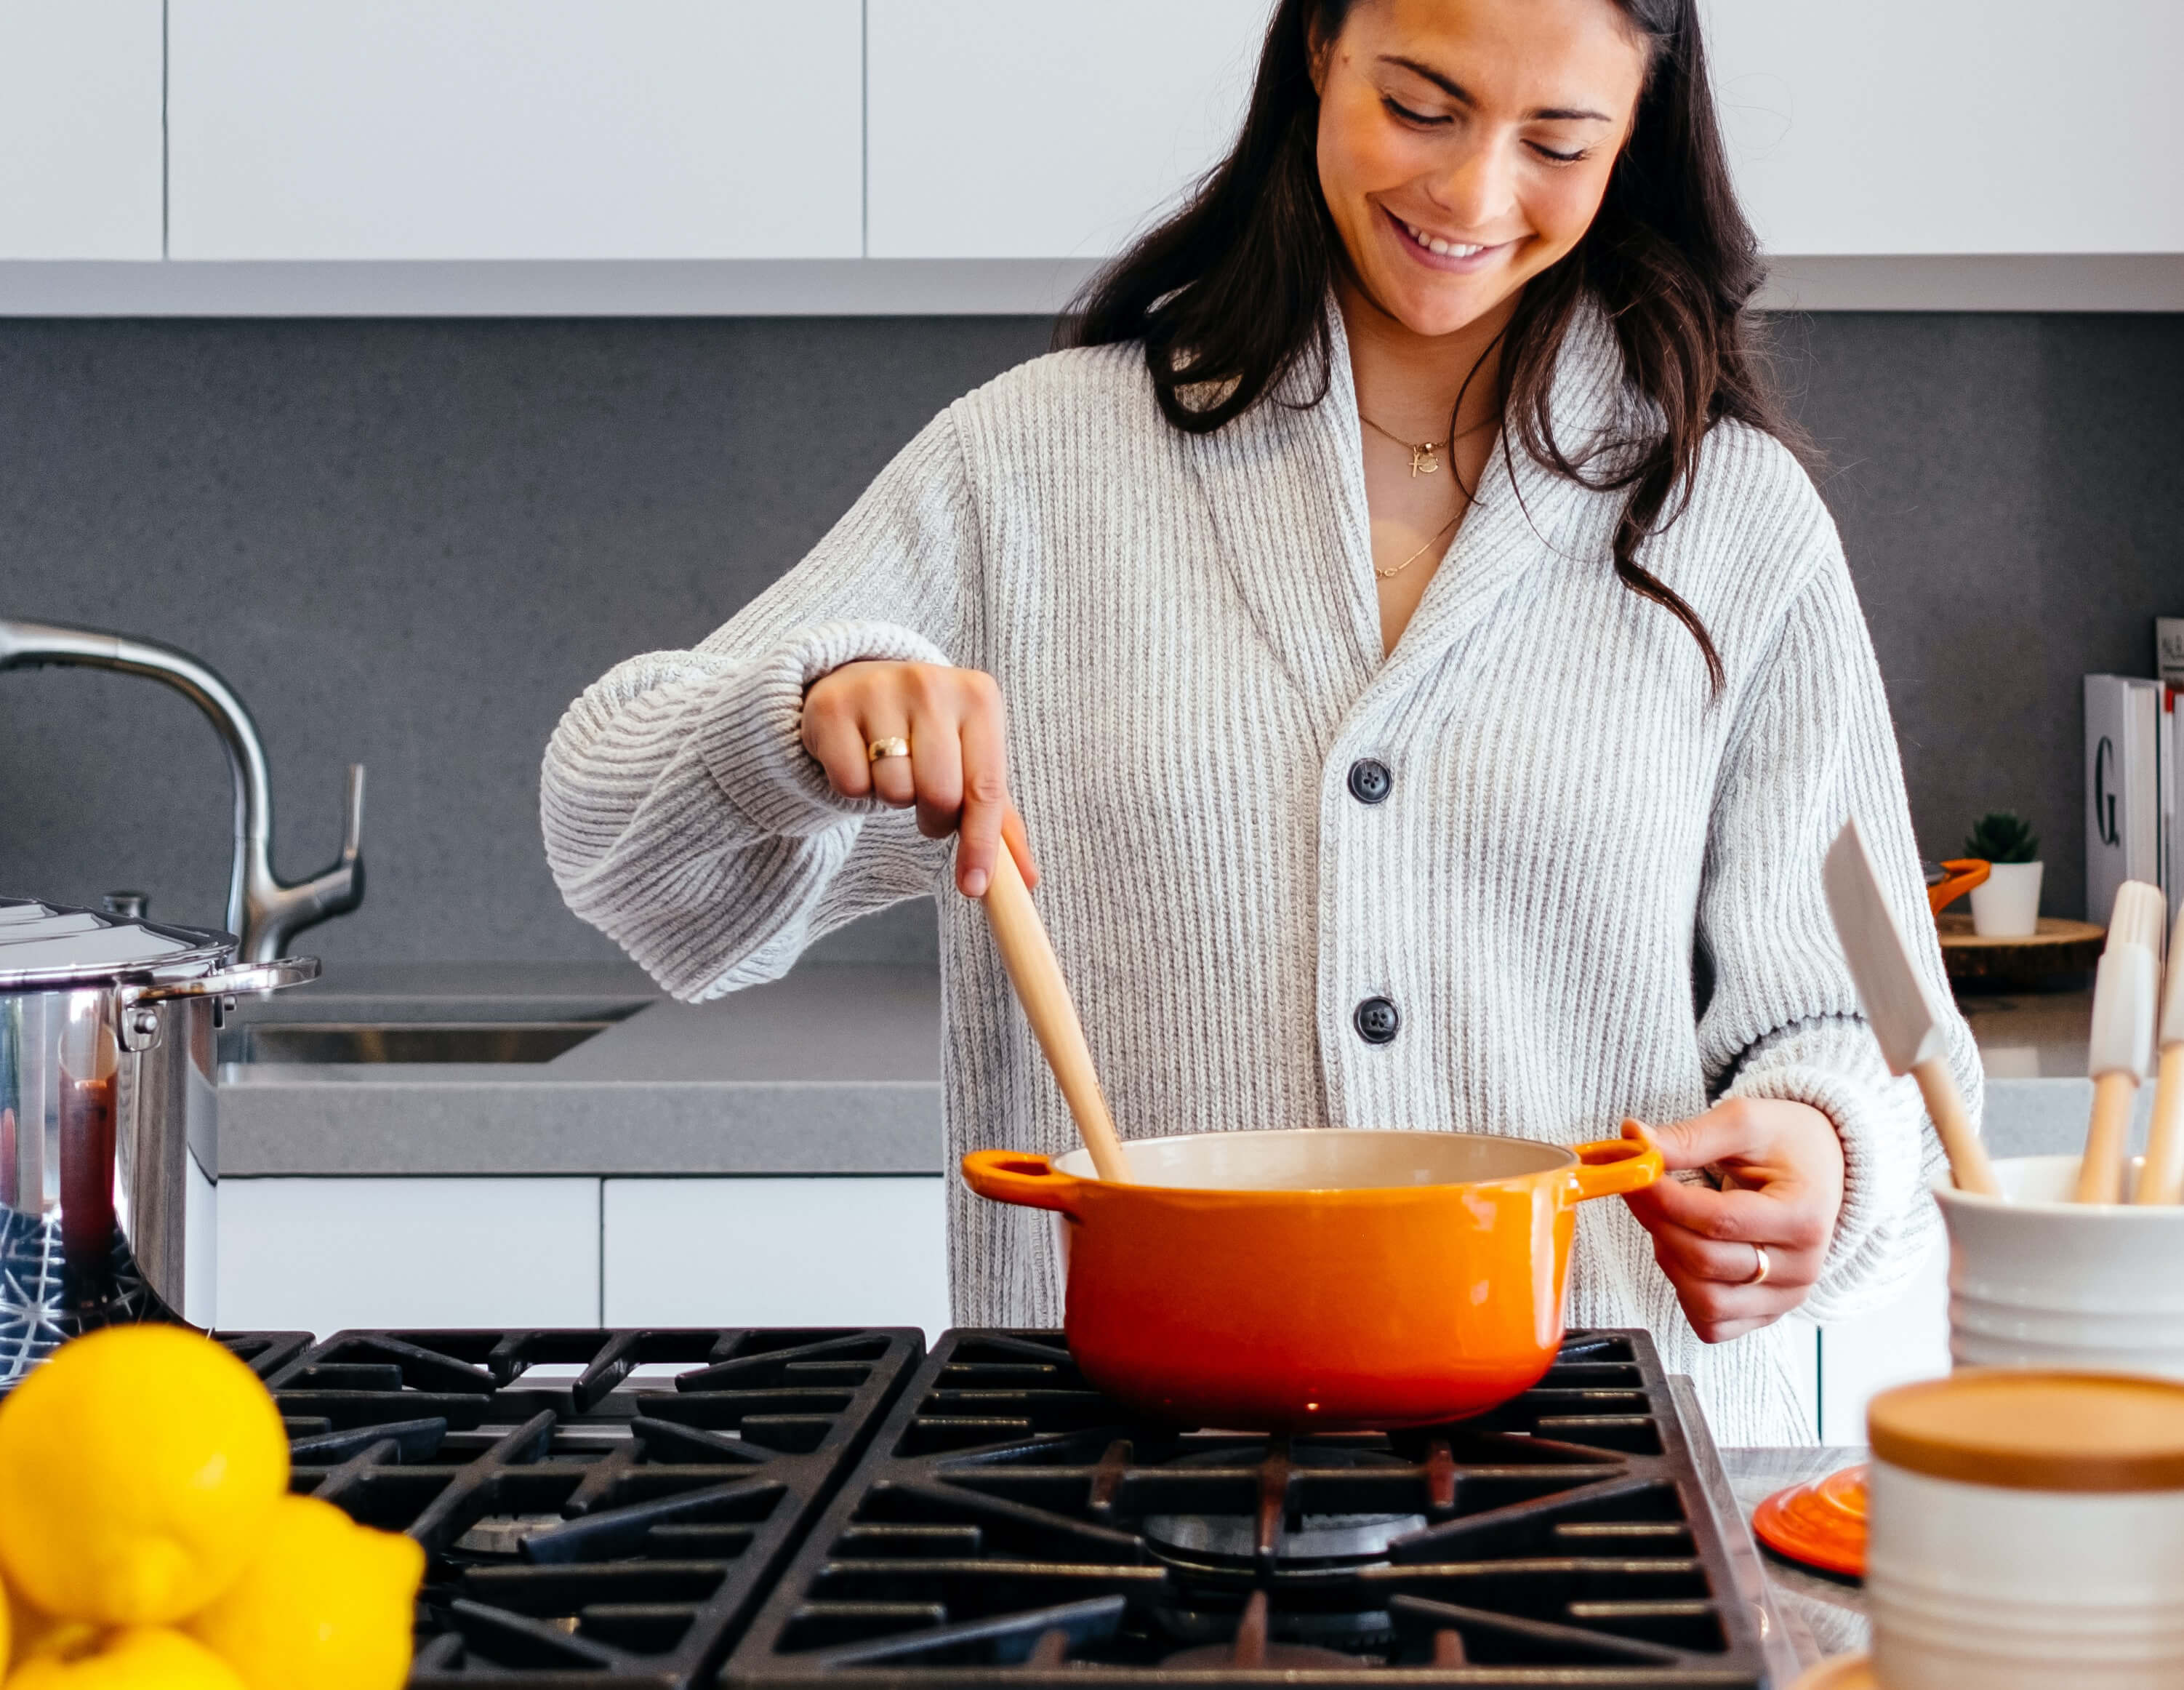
x: 2123, y: 787
x: 2168, y: 777
x: 2168, y: 649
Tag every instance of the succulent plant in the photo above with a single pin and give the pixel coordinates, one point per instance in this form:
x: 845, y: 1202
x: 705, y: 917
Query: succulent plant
x: 2003, y: 837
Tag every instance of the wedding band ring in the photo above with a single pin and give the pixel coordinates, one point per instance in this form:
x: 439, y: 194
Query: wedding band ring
x: 1761, y: 1269
x: 892, y: 746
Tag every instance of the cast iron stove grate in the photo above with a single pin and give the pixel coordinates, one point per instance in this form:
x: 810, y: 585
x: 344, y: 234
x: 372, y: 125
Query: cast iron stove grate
x: 601, y: 1509
x: 1010, y: 1526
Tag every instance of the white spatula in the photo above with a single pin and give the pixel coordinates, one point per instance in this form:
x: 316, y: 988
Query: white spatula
x: 2162, y: 1180
x: 2122, y: 1047
x: 1903, y: 1016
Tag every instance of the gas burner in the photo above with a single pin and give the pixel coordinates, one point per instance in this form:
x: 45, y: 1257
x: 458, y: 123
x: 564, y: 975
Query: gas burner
x: 1252, y: 1649
x: 1275, y: 1540
x: 1011, y: 1527
x: 600, y: 1508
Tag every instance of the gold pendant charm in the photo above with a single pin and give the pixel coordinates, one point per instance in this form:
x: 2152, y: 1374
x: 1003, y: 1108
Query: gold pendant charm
x: 1422, y: 460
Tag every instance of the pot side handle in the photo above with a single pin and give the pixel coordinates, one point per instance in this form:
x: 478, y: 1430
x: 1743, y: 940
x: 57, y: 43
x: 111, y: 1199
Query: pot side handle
x: 1608, y: 1168
x: 1013, y: 1176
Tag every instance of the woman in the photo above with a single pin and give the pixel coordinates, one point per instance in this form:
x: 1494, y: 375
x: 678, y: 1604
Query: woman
x: 1429, y: 683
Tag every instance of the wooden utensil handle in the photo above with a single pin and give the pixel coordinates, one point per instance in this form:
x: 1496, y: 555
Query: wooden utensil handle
x: 2161, y: 1181
x: 2100, y: 1175
x: 1969, y: 1166
x: 1029, y: 958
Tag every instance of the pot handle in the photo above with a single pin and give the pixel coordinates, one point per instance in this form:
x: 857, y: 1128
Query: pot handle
x: 1012, y: 1176
x: 1608, y: 1168
x: 139, y: 1025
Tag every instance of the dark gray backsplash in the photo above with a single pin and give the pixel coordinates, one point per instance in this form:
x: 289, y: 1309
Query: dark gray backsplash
x: 410, y: 544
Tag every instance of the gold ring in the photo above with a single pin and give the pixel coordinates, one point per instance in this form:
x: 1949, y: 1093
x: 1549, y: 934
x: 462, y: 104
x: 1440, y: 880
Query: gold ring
x: 1760, y: 1271
x: 893, y: 746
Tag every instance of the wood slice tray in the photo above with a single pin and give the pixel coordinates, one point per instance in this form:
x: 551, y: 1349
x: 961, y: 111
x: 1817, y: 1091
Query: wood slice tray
x: 2057, y: 947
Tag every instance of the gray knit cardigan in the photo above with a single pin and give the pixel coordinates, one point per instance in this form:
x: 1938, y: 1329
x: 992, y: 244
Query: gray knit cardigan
x: 1593, y: 889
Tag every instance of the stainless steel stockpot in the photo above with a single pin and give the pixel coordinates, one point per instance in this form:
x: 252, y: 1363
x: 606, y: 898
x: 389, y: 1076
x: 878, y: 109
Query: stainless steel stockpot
x: 108, y: 1111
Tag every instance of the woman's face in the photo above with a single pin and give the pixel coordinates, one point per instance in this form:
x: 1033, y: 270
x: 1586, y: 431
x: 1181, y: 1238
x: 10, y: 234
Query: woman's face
x: 1464, y: 145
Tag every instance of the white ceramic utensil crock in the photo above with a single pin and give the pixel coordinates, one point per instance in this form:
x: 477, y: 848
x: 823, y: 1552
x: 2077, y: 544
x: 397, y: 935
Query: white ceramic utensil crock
x: 2038, y: 1280
x: 2027, y: 1532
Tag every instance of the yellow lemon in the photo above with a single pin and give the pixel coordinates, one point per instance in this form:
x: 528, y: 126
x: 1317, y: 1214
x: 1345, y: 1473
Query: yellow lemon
x: 136, y: 1468
x: 325, y: 1604
x: 142, y: 1658
x: 31, y: 1633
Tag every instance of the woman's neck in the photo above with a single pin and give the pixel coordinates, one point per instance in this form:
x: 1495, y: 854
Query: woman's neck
x: 1408, y: 382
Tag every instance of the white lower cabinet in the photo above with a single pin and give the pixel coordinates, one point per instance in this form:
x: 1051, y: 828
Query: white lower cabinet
x: 319, y: 1255
x: 847, y: 1251
x: 1861, y: 1356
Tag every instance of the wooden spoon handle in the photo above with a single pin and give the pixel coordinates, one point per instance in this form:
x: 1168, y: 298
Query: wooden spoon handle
x: 2162, y: 1180
x: 2100, y: 1175
x: 1029, y: 958
x: 1969, y: 1167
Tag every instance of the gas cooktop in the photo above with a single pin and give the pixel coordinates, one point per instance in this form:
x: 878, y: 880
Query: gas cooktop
x: 1011, y: 1527
x: 787, y: 1510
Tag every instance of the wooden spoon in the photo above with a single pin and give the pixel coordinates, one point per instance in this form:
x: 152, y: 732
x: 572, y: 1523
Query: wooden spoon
x: 1044, y: 994
x: 2162, y: 1180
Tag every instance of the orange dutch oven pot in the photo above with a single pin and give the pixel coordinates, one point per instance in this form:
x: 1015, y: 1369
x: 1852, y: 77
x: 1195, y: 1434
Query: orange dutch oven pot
x: 1336, y: 1279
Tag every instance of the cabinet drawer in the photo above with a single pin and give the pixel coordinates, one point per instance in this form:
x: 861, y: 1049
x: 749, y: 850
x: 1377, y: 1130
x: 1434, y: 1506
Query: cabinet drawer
x: 80, y: 139
x: 557, y: 129
x: 849, y: 1252
x: 318, y: 1255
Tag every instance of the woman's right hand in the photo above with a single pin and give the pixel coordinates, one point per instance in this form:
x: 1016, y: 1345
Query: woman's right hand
x: 956, y: 772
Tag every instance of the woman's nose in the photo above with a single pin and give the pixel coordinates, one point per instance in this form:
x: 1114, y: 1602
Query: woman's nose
x: 1476, y: 187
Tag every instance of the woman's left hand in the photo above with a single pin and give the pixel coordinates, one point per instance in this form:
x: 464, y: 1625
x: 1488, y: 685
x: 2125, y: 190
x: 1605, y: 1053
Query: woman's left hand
x: 1781, y: 1167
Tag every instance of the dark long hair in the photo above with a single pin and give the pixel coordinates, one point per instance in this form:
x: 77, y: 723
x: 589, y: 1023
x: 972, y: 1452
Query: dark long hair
x: 1228, y: 295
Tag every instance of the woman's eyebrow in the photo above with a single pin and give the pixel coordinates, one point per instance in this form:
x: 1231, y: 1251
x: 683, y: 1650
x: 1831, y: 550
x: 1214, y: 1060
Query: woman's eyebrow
x: 1456, y: 91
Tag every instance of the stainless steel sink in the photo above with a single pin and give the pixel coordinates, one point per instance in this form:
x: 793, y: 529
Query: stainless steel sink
x: 357, y: 1042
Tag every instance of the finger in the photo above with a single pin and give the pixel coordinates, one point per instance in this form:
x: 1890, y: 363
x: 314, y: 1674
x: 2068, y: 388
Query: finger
x: 894, y: 780
x: 1687, y: 1257
x: 831, y: 735
x: 1019, y: 843
x: 1736, y: 1216
x: 1726, y: 1130
x: 986, y: 805
x: 1725, y: 1331
x: 936, y: 758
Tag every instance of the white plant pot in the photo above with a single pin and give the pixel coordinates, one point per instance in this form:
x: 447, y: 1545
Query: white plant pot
x: 2006, y: 905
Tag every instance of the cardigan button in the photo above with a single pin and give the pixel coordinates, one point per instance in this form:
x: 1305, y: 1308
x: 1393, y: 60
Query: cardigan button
x: 1369, y: 780
x: 1376, y: 1021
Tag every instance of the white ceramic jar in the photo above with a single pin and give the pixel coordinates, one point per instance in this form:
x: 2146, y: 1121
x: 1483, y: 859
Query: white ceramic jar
x: 2036, y: 1281
x: 2027, y: 1532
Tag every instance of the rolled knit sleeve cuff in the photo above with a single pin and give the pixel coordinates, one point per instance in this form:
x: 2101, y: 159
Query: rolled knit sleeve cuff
x: 751, y: 737
x: 1881, y: 1143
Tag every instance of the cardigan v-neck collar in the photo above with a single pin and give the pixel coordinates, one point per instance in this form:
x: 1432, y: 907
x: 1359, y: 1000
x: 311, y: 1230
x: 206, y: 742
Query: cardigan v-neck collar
x: 1286, y: 485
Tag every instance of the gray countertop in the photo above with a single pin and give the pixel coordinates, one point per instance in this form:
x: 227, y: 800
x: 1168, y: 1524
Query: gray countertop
x: 834, y: 1070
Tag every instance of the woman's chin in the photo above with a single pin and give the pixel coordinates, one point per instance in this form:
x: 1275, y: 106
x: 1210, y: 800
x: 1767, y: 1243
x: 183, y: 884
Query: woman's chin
x: 1441, y: 307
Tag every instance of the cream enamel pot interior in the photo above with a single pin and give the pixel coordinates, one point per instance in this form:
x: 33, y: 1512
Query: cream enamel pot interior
x: 1318, y: 1278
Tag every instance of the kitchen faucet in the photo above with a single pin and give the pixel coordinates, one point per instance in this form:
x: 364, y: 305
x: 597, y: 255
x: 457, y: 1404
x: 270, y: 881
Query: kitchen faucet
x: 262, y: 913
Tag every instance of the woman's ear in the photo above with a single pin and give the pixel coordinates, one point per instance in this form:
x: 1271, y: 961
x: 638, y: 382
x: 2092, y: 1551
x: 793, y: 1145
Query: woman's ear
x: 1318, y: 46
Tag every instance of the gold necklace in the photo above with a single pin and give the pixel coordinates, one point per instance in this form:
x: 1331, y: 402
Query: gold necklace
x: 1394, y: 569
x: 1423, y: 459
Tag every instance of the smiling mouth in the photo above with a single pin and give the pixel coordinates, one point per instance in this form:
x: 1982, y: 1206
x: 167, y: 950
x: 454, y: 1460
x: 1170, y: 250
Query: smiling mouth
x: 1438, y: 247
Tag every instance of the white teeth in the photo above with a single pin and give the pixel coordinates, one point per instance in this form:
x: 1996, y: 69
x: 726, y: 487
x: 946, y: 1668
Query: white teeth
x: 1434, y: 244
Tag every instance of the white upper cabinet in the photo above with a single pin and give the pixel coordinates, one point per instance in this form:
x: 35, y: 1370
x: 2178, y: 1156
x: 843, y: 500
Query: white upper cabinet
x: 80, y: 148
x: 1973, y: 126
x: 483, y: 129
x: 1032, y: 129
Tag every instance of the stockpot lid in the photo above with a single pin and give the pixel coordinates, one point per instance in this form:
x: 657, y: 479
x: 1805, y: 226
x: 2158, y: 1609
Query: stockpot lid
x: 55, y: 947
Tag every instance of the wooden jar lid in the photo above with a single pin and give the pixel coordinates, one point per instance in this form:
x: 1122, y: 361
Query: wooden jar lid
x: 2035, y: 1431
